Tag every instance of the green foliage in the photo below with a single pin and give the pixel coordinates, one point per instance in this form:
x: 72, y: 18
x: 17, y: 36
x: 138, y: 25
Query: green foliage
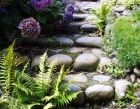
x: 112, y: 69
x: 21, y: 91
x: 126, y: 38
x: 128, y: 3
x: 115, y: 71
x: 129, y: 98
x: 100, y: 15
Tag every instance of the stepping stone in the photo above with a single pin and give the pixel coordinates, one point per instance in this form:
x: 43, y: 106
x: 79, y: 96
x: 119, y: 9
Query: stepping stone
x: 120, y: 9
x: 105, y: 61
x: 73, y: 27
x: 97, y: 52
x: 133, y: 77
x: 88, y: 28
x: 86, y: 62
x: 76, y: 78
x: 60, y: 59
x: 89, y: 41
x: 99, y: 92
x: 65, y: 41
x: 56, y: 50
x: 79, y: 17
x: 80, y: 99
x: 84, y: 5
x: 121, y: 87
x: 76, y: 49
x: 137, y: 71
x: 127, y: 12
x: 101, y: 78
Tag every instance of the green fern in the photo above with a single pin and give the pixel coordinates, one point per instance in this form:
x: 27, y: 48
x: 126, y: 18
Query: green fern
x: 58, y: 90
x: 101, y: 15
x: 21, y: 91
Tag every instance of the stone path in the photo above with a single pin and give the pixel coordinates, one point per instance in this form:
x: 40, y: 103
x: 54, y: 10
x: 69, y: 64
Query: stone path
x: 82, y: 50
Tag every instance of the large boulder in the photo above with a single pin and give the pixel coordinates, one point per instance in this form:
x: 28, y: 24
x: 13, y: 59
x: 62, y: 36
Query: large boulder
x: 86, y: 62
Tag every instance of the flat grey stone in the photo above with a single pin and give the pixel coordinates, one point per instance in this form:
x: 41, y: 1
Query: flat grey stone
x: 56, y: 50
x: 84, y: 5
x: 60, y: 59
x: 86, y: 62
x: 101, y: 78
x: 127, y: 12
x: 89, y: 41
x: 104, y: 61
x: 120, y: 9
x: 76, y: 78
x: 79, y: 17
x: 136, y: 71
x: 121, y: 87
x: 65, y: 41
x: 133, y: 77
x: 88, y: 28
x: 99, y: 92
x: 76, y: 49
x: 97, y: 52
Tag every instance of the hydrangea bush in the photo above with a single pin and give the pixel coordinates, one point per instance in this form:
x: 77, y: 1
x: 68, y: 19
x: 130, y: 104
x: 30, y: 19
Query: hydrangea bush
x: 29, y: 28
x: 15, y: 17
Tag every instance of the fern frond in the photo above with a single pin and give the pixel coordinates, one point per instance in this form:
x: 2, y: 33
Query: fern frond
x: 8, y: 64
x: 3, y: 73
x: 48, y: 106
x: 58, y: 81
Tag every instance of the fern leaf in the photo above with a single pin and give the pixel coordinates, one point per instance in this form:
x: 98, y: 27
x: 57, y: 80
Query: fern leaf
x: 48, y: 106
x: 10, y: 75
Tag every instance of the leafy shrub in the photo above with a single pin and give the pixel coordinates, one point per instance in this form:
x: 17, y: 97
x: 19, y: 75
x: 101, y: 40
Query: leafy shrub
x: 20, y: 91
x: 101, y: 15
x: 126, y: 38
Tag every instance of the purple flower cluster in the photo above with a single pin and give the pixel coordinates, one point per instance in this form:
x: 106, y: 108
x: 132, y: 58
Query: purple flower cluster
x: 68, y: 16
x: 4, y: 3
x: 40, y: 4
x: 67, y: 2
x: 29, y: 28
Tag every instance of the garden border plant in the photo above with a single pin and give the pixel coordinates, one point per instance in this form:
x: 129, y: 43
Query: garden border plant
x: 21, y: 91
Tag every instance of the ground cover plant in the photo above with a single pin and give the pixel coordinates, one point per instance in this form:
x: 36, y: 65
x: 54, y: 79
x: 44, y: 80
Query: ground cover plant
x: 126, y: 37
